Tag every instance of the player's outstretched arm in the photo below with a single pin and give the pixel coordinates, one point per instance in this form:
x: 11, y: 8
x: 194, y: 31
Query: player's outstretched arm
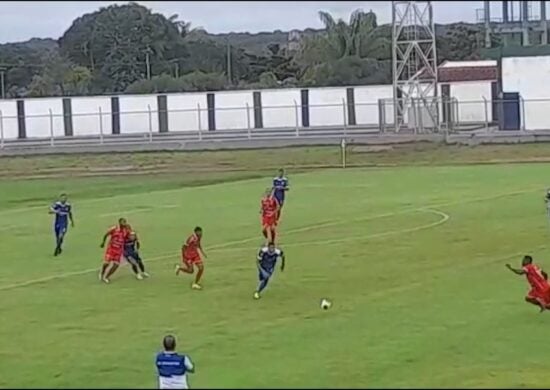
x: 282, y: 262
x: 71, y: 218
x: 544, y: 274
x: 104, y: 239
x: 514, y: 270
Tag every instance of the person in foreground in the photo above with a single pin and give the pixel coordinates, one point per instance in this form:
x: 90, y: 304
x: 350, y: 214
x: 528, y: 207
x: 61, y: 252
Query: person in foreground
x: 539, y: 294
x: 132, y: 256
x: 117, y: 235
x: 192, y: 255
x: 63, y: 214
x: 266, y: 261
x: 172, y: 367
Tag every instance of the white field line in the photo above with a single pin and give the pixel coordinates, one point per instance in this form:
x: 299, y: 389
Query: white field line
x: 139, y: 210
x: 306, y: 228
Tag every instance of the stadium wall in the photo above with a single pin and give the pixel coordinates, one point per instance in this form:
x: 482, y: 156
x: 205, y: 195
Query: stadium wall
x: 214, y: 111
x: 530, y: 77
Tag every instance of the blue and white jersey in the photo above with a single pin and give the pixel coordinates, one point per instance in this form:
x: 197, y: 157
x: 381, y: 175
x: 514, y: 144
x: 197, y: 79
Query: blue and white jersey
x: 130, y: 248
x: 280, y: 185
x: 62, y: 212
x: 172, y: 370
x: 268, y: 259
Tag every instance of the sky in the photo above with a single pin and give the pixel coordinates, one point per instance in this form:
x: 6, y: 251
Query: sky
x: 20, y: 21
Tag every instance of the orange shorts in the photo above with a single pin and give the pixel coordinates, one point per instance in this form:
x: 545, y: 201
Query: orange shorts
x: 269, y: 222
x: 192, y: 260
x: 113, y: 256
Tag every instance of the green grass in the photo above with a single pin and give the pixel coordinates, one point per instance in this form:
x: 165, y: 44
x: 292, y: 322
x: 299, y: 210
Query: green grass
x: 412, y: 257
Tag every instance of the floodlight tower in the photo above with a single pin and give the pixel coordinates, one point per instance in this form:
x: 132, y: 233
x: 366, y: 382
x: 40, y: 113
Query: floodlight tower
x: 414, y: 64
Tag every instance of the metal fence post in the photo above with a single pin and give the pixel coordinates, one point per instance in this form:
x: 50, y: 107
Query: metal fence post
x: 150, y: 122
x: 486, y: 104
x: 100, y: 126
x: 248, y: 121
x: 296, y: 114
x: 1, y: 130
x: 51, y: 128
x: 522, y: 102
x: 200, y: 120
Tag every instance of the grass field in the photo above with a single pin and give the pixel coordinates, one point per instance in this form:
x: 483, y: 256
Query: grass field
x: 412, y: 256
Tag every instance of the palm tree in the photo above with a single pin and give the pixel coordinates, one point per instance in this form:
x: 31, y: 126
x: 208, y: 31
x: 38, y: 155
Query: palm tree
x: 355, y: 38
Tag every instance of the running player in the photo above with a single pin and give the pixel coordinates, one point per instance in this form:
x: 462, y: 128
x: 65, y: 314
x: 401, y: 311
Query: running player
x: 118, y: 235
x: 280, y: 187
x: 131, y: 254
x: 63, y: 214
x: 539, y: 294
x: 269, y: 211
x: 266, y: 261
x: 192, y: 255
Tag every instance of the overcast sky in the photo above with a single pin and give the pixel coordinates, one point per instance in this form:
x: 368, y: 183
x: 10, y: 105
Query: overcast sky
x: 20, y: 21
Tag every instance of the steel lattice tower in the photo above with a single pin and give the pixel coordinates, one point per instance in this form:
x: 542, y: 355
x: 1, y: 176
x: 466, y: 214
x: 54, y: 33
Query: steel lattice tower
x: 414, y: 64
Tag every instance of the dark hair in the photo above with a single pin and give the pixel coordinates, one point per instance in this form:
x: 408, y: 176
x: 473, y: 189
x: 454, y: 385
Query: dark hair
x: 169, y: 343
x: 271, y: 243
x: 528, y: 258
x: 198, y: 229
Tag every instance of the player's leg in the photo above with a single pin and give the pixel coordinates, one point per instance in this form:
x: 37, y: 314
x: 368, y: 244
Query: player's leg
x: 131, y: 259
x: 112, y: 270
x: 141, y: 266
x: 273, y: 233
x: 103, y: 270
x: 186, y: 266
x: 200, y: 271
x: 59, y: 236
x: 263, y: 276
x: 536, y: 301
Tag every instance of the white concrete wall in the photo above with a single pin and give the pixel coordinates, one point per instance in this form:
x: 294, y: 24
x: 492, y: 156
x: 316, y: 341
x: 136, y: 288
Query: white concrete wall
x: 470, y: 95
x: 281, y: 108
x: 183, y: 112
x: 530, y: 76
x: 86, y: 115
x: 366, y: 104
x: 134, y: 114
x: 9, y: 127
x: 39, y: 123
x: 231, y: 111
x: 326, y: 106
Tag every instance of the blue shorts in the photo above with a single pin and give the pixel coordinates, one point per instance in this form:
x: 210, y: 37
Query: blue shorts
x: 132, y: 255
x: 60, y: 229
x: 269, y: 271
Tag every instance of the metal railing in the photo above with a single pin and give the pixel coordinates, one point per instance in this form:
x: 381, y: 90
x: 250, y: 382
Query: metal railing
x: 273, y: 122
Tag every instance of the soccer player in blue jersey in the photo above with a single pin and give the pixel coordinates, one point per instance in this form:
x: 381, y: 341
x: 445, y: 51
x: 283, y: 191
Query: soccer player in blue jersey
x: 63, y: 214
x: 173, y: 367
x: 131, y: 254
x: 280, y: 187
x: 266, y: 261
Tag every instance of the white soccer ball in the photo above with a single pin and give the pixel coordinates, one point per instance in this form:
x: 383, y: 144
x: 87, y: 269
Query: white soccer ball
x: 325, y: 304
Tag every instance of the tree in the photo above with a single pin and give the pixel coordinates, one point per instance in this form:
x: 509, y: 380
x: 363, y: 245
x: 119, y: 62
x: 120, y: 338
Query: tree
x: 77, y: 81
x: 191, y: 82
x: 117, y: 42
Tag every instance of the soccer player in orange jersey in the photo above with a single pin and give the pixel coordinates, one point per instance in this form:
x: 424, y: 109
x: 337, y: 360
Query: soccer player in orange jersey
x: 269, y: 211
x: 117, y: 236
x: 192, y: 255
x: 539, y: 294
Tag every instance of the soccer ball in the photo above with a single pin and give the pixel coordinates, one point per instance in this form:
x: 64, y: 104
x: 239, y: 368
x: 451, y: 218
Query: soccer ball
x: 325, y: 304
